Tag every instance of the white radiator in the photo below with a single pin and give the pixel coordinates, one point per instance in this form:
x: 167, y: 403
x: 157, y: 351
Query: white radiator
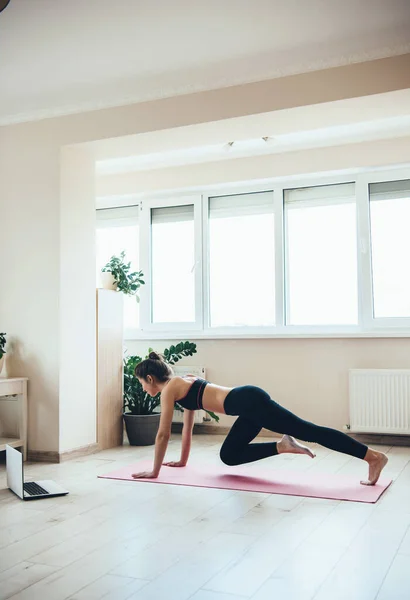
x: 182, y: 372
x: 380, y: 401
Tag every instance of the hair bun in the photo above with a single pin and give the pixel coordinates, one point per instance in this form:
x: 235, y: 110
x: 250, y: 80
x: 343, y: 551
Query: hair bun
x: 154, y: 356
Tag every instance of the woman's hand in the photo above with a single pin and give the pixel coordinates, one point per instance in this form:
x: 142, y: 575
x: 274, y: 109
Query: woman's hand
x: 175, y: 463
x: 145, y: 475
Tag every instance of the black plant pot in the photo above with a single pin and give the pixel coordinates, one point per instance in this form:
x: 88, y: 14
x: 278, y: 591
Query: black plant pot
x: 141, y: 429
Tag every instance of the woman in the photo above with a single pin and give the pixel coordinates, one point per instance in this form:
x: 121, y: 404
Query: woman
x: 254, y: 409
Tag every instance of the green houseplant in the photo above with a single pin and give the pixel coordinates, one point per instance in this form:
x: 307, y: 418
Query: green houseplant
x: 2, y: 349
x: 140, y: 410
x: 122, y: 278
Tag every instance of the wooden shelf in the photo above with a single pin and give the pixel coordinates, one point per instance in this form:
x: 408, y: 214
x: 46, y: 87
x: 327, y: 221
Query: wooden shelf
x: 110, y: 352
x: 13, y: 390
x: 14, y: 442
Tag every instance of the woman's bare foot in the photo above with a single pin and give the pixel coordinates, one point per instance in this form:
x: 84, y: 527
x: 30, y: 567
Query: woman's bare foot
x: 288, y: 444
x: 377, y: 461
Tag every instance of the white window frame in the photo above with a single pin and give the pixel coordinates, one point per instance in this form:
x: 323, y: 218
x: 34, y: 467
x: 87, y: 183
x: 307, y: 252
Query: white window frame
x: 285, y: 244
x: 367, y: 326
x: 312, y: 330
x: 146, y: 324
x: 112, y: 220
x: 380, y: 323
x: 221, y: 331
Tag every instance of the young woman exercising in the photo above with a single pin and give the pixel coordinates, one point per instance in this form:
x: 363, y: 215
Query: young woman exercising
x: 254, y: 409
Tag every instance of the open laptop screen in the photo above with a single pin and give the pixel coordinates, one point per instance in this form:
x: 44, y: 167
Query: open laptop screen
x: 14, y: 460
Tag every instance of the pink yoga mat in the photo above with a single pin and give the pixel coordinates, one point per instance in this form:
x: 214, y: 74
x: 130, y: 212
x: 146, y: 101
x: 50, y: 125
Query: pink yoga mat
x: 258, y: 479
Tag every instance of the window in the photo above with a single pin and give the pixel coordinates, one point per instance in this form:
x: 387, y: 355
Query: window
x: 321, y: 255
x: 173, y: 264
x: 117, y: 230
x: 242, y: 260
x: 390, y: 248
x: 285, y: 261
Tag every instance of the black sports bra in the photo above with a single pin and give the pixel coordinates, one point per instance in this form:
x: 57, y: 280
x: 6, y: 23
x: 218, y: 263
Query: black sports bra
x: 193, y: 399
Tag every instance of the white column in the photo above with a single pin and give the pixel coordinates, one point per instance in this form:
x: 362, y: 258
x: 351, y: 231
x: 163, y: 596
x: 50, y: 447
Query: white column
x: 77, y: 315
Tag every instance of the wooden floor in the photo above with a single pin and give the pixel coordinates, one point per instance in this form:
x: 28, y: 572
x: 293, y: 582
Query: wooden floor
x: 119, y: 540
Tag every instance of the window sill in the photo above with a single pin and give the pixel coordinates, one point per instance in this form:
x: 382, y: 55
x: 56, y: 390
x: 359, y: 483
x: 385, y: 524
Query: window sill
x: 138, y: 335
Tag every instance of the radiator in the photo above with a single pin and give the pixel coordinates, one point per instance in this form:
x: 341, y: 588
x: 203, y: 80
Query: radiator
x: 380, y: 401
x: 182, y: 371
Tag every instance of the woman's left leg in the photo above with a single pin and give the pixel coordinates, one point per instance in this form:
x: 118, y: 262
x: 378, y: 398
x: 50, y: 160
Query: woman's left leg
x: 237, y: 448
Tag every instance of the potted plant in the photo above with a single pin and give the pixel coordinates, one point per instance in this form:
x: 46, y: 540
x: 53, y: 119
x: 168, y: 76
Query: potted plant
x: 115, y: 275
x: 140, y: 414
x: 2, y: 349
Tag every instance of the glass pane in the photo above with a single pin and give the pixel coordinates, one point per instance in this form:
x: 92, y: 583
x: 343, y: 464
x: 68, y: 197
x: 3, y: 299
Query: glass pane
x: 110, y: 241
x: 173, y: 262
x: 321, y: 257
x: 390, y: 244
x: 242, y: 260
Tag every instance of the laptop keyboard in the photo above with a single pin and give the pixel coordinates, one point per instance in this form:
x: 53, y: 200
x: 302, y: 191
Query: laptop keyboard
x: 34, y: 490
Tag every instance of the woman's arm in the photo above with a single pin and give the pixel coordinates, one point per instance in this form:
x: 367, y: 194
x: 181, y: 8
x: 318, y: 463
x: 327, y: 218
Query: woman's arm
x: 163, y: 435
x: 189, y: 417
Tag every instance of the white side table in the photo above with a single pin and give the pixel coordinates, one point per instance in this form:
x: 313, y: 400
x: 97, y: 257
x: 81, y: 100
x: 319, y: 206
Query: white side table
x: 14, y: 389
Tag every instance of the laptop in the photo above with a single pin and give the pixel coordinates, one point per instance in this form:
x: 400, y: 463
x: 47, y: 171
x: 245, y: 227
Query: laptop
x: 32, y: 490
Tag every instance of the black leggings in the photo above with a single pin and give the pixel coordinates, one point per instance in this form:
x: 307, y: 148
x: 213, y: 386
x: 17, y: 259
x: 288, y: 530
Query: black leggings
x: 255, y: 410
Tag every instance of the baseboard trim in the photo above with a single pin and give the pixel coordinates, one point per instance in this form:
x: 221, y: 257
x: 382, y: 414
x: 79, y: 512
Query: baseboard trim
x: 366, y: 438
x: 58, y: 457
x: 211, y: 429
x: 42, y: 456
x: 381, y: 438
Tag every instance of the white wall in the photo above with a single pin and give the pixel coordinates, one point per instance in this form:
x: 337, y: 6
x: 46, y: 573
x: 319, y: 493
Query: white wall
x: 29, y: 299
x: 31, y: 266
x: 307, y: 376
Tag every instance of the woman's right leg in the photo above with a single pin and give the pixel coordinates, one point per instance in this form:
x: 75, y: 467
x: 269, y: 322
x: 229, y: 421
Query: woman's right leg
x: 253, y: 402
x: 333, y: 439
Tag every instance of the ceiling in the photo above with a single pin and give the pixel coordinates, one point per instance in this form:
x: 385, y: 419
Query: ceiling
x: 62, y: 57
x: 296, y: 140
x: 380, y: 116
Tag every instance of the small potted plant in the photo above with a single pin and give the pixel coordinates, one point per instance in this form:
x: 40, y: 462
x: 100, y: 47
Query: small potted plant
x: 141, y: 414
x: 2, y: 349
x: 116, y: 275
